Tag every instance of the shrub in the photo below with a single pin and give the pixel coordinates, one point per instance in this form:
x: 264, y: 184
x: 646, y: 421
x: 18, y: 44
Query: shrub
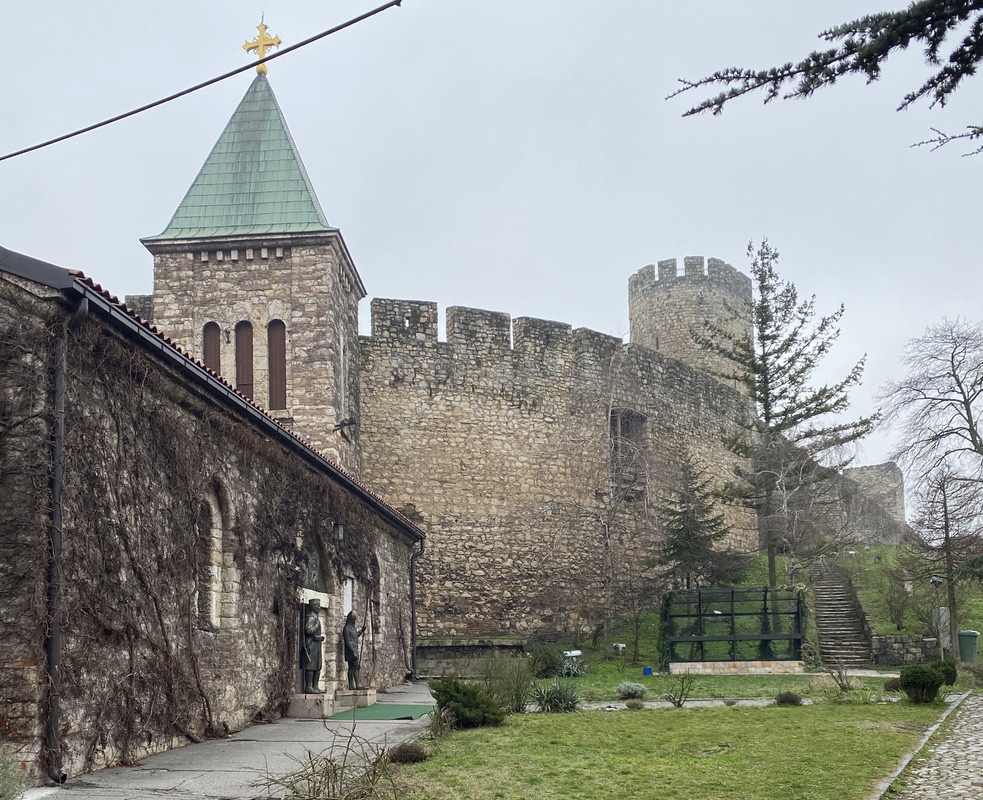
x: 407, y: 753
x: 470, y: 706
x: 11, y: 779
x: 572, y: 668
x: 976, y: 671
x: 559, y: 697
x: 920, y: 682
x: 629, y: 691
x: 892, y: 685
x: 947, y: 669
x: 679, y: 694
x: 788, y: 699
x: 634, y: 703
x: 547, y: 659
x: 508, y: 679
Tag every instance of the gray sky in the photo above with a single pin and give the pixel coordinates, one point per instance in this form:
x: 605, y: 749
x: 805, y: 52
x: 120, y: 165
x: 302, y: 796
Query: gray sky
x: 514, y: 155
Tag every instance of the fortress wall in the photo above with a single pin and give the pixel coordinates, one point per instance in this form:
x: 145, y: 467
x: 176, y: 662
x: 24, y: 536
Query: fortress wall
x: 501, y: 450
x: 882, y: 483
x: 666, y: 308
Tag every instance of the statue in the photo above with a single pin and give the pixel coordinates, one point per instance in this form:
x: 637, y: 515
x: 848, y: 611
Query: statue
x: 350, y: 636
x: 310, y: 654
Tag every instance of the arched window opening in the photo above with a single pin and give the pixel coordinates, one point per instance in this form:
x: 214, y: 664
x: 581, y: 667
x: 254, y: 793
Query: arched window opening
x: 213, y: 347
x: 276, y: 336
x: 208, y: 589
x: 244, y: 359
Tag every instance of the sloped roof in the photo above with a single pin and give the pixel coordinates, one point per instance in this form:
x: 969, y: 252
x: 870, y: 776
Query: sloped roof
x: 253, y: 182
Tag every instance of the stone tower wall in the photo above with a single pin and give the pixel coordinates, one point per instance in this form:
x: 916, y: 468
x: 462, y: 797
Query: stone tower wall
x: 496, y: 442
x: 666, y: 308
x: 309, y: 283
x: 882, y: 483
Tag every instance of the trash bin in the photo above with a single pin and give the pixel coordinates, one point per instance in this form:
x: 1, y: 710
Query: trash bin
x: 967, y: 645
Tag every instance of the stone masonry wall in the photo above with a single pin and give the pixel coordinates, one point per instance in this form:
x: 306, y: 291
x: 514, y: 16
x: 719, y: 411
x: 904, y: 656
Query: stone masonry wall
x: 882, y: 483
x: 665, y: 308
x: 306, y: 281
x: 497, y: 441
x: 170, y: 496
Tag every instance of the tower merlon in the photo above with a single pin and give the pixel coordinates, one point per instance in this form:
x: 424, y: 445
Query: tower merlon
x: 404, y: 320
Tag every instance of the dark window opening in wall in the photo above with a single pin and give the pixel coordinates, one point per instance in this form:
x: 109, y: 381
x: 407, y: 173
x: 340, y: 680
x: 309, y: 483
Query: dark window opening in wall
x: 276, y: 338
x: 244, y: 359
x: 213, y: 347
x: 628, y: 465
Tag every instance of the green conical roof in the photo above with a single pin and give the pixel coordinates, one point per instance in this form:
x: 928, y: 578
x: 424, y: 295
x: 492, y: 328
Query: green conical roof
x: 253, y: 181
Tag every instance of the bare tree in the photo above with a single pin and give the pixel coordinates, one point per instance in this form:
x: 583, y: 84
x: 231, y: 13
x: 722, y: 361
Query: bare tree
x: 950, y: 524
x: 937, y: 407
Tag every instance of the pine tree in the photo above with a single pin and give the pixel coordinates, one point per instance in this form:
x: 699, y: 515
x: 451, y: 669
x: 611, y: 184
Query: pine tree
x: 792, y: 436
x: 692, y: 531
x: 862, y: 47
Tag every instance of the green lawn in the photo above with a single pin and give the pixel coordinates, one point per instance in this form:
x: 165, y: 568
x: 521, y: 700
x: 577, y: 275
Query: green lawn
x: 821, y: 752
x: 603, y: 678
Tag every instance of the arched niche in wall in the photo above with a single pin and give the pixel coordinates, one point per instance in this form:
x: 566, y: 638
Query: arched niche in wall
x: 244, y: 359
x: 276, y: 340
x: 212, y: 346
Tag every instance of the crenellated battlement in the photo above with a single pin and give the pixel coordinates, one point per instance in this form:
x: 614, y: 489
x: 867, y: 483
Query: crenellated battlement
x: 711, y: 272
x: 407, y: 324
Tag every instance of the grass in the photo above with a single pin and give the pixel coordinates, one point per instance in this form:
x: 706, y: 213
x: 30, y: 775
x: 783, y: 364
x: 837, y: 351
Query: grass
x: 820, y: 752
x: 603, y: 678
x: 866, y: 568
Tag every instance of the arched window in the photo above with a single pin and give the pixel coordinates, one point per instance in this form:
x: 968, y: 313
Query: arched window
x: 208, y: 589
x: 213, y: 347
x: 276, y: 338
x: 244, y: 359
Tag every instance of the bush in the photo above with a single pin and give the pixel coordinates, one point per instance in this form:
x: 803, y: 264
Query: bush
x: 920, y: 682
x: 634, y: 703
x: 629, y: 691
x: 469, y: 706
x: 558, y: 698
x: 572, y: 668
x: 11, y: 779
x: 508, y: 679
x: 947, y: 669
x: 407, y: 753
x: 892, y: 685
x: 788, y: 699
x: 547, y: 659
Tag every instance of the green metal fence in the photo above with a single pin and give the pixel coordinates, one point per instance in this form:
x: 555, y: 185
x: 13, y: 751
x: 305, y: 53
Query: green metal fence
x: 748, y: 624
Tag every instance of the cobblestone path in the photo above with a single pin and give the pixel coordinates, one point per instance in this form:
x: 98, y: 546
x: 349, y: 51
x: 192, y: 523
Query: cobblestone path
x: 954, y: 771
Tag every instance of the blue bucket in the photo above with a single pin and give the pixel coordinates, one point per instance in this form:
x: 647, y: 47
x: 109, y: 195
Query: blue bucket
x: 646, y: 670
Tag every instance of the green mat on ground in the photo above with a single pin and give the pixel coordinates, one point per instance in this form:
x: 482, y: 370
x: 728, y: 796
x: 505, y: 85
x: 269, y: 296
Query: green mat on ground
x: 381, y: 711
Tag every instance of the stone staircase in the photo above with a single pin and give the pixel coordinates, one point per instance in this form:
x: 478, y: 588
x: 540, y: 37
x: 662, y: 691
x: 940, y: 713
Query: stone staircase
x: 842, y: 638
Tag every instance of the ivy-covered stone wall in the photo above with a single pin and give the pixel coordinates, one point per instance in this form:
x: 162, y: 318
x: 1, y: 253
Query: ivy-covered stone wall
x: 187, y: 532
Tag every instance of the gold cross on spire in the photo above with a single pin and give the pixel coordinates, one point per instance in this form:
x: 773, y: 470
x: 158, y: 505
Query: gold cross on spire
x: 261, y: 44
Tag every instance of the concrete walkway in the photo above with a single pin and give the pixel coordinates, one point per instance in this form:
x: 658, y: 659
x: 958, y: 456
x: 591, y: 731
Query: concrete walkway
x: 953, y: 769
x: 226, y: 768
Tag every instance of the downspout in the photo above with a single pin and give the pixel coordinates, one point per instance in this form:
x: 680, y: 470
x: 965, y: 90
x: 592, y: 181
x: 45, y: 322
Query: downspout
x: 52, y: 645
x: 413, y: 559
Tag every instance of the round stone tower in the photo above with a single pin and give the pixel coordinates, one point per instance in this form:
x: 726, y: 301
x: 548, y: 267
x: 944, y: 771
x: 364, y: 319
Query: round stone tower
x: 666, y: 308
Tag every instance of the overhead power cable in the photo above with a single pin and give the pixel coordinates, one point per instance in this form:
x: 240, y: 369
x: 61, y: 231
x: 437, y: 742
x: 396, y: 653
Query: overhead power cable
x: 207, y: 83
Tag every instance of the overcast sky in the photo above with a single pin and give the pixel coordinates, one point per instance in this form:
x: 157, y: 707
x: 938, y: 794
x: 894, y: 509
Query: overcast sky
x: 513, y: 155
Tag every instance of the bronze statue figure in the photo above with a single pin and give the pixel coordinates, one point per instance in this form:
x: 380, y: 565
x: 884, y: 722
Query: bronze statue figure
x: 350, y: 636
x: 310, y: 654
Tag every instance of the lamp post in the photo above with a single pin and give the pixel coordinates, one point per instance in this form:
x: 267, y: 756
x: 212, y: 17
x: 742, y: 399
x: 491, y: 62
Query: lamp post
x: 936, y: 582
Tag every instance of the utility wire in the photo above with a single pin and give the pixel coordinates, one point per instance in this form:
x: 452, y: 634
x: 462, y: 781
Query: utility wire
x: 207, y: 83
